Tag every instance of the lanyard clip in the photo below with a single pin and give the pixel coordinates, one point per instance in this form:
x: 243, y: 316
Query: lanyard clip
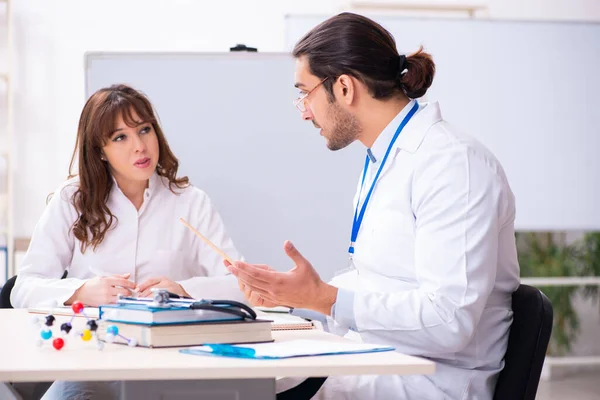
x: 351, y: 250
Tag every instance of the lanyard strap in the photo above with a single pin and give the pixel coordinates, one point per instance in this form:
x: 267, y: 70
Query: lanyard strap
x: 358, y: 217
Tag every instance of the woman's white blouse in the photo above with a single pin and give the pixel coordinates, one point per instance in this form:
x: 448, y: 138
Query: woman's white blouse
x: 147, y: 243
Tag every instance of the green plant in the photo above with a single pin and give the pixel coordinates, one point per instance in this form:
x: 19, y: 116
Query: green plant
x: 549, y: 255
x: 589, y: 257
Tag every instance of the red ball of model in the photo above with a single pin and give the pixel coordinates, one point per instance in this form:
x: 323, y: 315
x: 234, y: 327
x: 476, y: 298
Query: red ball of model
x: 58, y: 343
x: 77, y: 307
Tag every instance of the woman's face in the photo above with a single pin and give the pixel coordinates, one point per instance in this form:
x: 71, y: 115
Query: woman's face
x: 132, y: 152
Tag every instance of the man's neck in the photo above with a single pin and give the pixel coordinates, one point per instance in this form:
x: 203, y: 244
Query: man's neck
x: 376, y: 116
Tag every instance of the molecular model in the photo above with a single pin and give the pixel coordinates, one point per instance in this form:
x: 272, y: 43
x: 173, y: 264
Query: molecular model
x: 112, y: 331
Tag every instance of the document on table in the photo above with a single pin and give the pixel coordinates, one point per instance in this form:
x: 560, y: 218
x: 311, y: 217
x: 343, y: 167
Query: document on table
x: 287, y: 349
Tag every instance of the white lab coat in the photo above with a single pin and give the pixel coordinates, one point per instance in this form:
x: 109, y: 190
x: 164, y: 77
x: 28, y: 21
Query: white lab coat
x: 147, y: 243
x: 435, y: 264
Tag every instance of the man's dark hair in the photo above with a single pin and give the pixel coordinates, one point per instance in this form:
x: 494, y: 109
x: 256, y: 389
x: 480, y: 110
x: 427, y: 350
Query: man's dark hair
x: 358, y: 46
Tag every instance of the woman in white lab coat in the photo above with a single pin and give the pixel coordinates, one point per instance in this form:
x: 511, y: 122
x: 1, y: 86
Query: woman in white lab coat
x: 115, y: 225
x: 433, y: 260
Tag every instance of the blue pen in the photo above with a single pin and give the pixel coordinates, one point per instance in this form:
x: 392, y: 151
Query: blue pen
x: 229, y: 350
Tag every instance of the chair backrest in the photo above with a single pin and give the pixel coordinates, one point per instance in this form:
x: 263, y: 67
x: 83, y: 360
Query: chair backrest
x: 5, y: 293
x: 8, y: 287
x: 527, y: 345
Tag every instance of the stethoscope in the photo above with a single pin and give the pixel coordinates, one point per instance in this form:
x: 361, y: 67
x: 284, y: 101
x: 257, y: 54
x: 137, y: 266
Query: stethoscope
x: 162, y: 298
x: 225, y: 306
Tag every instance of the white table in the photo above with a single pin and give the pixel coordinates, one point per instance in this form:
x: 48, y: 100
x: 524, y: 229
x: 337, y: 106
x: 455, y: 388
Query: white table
x: 23, y: 361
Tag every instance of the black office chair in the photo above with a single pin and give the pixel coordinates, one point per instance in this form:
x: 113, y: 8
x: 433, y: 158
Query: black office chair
x: 5, y: 293
x: 8, y: 287
x: 527, y: 345
x: 304, y: 391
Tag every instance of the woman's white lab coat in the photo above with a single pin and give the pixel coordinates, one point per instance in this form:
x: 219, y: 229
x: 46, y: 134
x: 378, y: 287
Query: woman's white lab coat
x: 435, y: 264
x: 147, y: 243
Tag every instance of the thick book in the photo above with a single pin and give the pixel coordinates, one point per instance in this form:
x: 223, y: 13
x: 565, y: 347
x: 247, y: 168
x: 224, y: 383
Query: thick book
x: 148, y: 315
x: 191, y: 334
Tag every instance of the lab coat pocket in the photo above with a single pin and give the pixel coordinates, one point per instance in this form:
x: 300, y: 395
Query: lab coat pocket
x: 104, y: 266
x: 171, y: 263
x: 393, y: 242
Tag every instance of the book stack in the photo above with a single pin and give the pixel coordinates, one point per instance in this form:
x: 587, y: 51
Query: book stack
x: 180, y: 326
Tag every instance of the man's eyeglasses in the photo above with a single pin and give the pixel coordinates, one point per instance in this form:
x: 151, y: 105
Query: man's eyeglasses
x: 300, y: 102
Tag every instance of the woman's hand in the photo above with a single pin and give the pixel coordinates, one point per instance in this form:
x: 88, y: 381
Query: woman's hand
x: 144, y: 289
x: 102, y: 290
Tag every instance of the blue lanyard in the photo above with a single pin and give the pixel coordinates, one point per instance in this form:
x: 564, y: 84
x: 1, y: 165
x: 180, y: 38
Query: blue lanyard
x: 358, y: 221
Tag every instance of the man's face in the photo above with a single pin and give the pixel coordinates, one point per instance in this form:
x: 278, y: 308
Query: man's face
x: 337, y: 125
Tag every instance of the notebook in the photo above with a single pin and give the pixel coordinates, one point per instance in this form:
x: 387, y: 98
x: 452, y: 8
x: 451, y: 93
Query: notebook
x: 90, y: 312
x: 276, y: 309
x: 286, y: 322
x: 288, y: 349
x: 231, y: 332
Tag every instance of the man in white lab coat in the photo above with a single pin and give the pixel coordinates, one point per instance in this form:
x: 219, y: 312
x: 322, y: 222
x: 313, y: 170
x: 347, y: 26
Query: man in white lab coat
x: 433, y: 260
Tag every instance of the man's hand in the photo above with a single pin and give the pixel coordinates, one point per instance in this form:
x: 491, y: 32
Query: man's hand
x: 162, y: 282
x: 300, y: 287
x: 253, y: 298
x: 103, y: 290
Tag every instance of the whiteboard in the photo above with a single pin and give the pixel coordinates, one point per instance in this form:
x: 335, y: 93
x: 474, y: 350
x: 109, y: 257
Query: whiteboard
x: 230, y: 120
x: 529, y: 92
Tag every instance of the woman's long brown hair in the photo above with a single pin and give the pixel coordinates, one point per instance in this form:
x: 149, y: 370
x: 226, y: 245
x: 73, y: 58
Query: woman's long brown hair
x: 97, y: 121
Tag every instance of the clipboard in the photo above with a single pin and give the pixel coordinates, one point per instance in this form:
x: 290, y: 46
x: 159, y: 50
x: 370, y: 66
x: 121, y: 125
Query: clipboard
x: 286, y: 349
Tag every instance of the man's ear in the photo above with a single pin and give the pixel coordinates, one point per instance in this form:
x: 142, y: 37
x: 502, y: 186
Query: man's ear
x: 346, y: 89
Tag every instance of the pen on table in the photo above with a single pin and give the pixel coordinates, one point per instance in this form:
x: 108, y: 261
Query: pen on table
x: 229, y: 350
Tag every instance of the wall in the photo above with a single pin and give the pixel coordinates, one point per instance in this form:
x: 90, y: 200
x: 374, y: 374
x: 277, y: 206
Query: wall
x: 52, y: 36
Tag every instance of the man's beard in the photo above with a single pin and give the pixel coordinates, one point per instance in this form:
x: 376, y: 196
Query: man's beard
x: 345, y: 128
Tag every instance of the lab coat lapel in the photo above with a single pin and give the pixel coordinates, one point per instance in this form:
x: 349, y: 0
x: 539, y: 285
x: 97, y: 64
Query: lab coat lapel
x: 414, y: 132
